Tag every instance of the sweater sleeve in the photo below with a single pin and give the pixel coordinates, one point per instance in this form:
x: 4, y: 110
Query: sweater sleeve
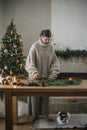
x: 55, y: 67
x: 30, y: 62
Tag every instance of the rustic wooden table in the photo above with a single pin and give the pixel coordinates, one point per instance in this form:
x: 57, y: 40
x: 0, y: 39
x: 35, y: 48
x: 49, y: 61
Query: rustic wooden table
x: 12, y: 91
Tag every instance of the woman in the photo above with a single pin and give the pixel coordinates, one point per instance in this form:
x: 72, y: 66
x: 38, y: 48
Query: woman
x: 41, y: 62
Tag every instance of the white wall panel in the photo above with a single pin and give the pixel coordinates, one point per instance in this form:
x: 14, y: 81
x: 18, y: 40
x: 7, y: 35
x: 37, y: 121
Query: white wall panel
x: 69, y: 23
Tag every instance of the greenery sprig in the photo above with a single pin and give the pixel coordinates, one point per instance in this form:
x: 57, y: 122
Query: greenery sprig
x: 54, y: 82
x: 68, y: 53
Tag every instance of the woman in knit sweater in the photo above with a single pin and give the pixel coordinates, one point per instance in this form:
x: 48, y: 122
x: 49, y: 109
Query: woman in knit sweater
x: 41, y: 62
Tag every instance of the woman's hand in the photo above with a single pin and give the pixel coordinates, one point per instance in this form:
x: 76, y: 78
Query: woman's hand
x: 36, y: 75
x: 53, y: 76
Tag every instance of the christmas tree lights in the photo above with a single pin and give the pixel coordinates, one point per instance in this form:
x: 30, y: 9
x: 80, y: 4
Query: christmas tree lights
x: 12, y: 60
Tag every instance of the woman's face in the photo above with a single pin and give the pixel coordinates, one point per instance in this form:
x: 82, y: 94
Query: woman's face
x: 45, y: 40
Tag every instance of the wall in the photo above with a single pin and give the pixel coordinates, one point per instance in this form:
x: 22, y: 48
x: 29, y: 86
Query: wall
x: 1, y: 19
x: 30, y: 17
x: 69, y: 23
x: 69, y: 27
x: 73, y: 65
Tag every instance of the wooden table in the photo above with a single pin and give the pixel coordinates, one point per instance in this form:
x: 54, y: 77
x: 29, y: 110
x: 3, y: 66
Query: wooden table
x: 12, y: 91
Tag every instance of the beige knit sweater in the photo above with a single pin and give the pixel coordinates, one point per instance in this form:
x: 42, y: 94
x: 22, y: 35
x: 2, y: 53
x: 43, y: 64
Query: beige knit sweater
x: 42, y: 59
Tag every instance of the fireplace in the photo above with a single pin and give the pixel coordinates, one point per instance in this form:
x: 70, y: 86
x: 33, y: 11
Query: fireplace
x: 73, y: 75
x: 72, y: 105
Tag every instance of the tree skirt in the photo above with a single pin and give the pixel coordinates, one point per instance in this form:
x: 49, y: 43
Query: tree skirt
x: 76, y: 121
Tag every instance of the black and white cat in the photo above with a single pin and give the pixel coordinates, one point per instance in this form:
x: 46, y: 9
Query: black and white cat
x: 63, y: 117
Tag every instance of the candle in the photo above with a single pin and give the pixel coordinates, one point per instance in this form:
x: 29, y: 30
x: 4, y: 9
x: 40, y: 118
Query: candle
x: 70, y: 78
x: 14, y: 79
x: 15, y: 86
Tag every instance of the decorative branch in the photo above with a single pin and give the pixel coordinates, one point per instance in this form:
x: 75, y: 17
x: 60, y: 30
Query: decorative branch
x: 67, y: 54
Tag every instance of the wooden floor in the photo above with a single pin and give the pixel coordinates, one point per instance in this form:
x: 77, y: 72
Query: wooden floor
x: 26, y: 126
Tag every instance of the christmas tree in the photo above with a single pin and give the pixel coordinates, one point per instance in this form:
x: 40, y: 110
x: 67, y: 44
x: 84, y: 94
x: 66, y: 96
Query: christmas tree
x: 12, y: 60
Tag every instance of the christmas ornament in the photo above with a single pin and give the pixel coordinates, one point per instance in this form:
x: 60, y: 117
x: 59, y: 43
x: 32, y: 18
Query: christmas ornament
x: 10, y: 39
x: 16, y: 51
x: 5, y: 82
x: 11, y: 55
x: 11, y: 72
x: 1, y: 80
x: 2, y: 71
x: 9, y: 78
x: 15, y: 36
x: 5, y: 67
x: 14, y: 80
x: 5, y: 51
x: 15, y: 46
x: 20, y: 40
x: 21, y: 65
x: 10, y: 52
x: 11, y: 32
x: 2, y: 46
x: 17, y: 61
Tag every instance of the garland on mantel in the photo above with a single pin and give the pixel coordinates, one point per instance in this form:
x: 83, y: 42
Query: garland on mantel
x: 67, y: 54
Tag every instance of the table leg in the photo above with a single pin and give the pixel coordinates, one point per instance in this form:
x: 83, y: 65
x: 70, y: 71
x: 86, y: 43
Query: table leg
x: 8, y: 111
x: 15, y: 110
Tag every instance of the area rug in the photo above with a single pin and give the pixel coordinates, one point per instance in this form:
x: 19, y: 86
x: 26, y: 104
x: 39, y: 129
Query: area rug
x: 76, y: 121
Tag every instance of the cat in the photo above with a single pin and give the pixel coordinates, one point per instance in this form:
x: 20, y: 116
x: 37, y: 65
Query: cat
x: 63, y: 117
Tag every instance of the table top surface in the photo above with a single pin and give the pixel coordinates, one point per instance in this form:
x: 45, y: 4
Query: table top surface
x: 83, y: 85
